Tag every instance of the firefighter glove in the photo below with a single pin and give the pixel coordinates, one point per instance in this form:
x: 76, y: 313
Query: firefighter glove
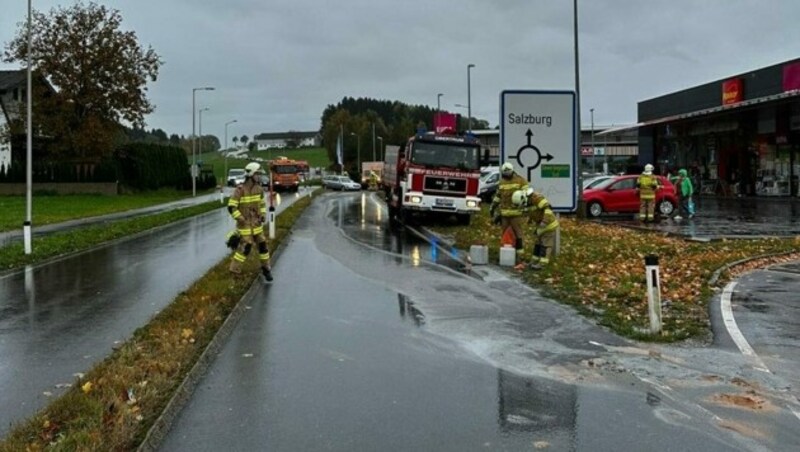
x: 232, y: 239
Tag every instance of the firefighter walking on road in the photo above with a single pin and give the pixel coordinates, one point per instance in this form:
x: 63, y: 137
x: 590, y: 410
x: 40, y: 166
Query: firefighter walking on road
x: 503, y: 208
x: 246, y: 206
x: 541, y: 215
x: 647, y: 184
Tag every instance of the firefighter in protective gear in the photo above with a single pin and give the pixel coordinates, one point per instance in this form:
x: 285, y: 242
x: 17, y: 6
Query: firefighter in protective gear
x: 246, y: 206
x: 503, y: 208
x: 373, y: 181
x: 648, y: 185
x: 540, y: 213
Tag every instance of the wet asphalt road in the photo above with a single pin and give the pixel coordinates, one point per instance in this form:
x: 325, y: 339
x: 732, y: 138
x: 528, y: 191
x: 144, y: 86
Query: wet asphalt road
x: 767, y: 311
x: 62, y: 317
x: 395, y: 353
x: 384, y: 345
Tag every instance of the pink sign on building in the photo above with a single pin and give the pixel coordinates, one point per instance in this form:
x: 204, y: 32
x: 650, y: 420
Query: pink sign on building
x: 791, y: 76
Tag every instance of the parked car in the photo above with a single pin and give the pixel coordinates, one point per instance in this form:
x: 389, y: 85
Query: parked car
x: 487, y: 184
x: 340, y: 183
x: 235, y: 177
x: 619, y: 194
x: 594, y: 181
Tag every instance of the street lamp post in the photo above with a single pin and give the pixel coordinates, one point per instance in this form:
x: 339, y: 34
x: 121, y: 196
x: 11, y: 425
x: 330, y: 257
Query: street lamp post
x: 439, y: 102
x: 26, y: 226
x: 358, y: 151
x: 469, y: 99
x: 581, y: 205
x: 381, y: 146
x: 591, y: 114
x: 200, y: 129
x: 194, y: 139
x: 225, y: 174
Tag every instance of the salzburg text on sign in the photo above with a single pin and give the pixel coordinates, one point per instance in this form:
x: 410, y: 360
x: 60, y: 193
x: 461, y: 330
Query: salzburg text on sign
x: 514, y: 118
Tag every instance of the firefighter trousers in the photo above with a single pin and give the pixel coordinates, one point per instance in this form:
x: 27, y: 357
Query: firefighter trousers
x: 250, y: 237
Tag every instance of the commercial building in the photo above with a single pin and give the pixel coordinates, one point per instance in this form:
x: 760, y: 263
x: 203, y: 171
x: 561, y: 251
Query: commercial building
x: 290, y: 139
x: 738, y: 136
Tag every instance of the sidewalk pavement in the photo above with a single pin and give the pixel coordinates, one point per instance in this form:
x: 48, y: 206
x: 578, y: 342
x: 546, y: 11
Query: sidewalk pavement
x: 718, y: 218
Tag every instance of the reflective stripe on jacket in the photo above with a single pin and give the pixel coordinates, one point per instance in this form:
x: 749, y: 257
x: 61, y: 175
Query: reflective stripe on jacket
x: 505, y: 190
x: 247, y: 203
x: 541, y: 213
x: 648, y: 184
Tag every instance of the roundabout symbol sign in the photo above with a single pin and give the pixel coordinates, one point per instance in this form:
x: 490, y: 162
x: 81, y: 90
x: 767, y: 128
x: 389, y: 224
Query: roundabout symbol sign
x: 538, y: 135
x: 529, y: 150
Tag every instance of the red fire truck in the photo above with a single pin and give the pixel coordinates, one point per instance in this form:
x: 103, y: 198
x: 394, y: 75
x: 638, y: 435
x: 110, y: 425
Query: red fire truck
x: 432, y: 173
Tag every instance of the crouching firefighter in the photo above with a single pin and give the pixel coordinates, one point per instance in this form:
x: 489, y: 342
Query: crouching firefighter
x: 540, y: 213
x: 503, y: 209
x: 246, y: 206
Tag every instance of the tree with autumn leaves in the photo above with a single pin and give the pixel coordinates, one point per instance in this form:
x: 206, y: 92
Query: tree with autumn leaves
x: 99, y: 74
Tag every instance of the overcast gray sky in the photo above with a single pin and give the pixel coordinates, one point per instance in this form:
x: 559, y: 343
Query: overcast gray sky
x: 276, y: 64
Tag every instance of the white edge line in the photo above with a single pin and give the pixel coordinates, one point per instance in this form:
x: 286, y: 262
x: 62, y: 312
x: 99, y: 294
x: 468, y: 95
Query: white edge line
x: 733, y: 329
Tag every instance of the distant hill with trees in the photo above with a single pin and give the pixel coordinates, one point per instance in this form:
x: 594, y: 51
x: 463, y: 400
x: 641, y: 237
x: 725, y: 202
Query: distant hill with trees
x: 395, y: 121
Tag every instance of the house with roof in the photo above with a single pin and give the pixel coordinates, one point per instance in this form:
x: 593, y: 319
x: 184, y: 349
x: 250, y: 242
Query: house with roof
x: 12, y: 107
x: 290, y: 139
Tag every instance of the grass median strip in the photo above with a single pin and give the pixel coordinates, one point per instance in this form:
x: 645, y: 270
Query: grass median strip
x: 62, y: 243
x: 114, y: 404
x: 600, y: 271
x: 58, y: 208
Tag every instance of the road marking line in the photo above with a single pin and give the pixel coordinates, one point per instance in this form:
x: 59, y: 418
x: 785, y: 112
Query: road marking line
x: 733, y: 329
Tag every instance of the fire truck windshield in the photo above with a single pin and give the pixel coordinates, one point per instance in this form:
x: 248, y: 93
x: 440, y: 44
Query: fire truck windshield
x: 284, y: 169
x: 450, y: 155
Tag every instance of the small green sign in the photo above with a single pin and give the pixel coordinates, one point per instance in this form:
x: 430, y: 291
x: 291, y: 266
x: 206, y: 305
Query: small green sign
x: 555, y: 171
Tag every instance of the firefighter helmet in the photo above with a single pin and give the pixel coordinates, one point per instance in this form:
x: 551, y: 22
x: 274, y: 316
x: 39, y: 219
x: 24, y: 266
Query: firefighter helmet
x: 518, y: 198
x: 507, y: 169
x: 648, y: 169
x: 252, y: 169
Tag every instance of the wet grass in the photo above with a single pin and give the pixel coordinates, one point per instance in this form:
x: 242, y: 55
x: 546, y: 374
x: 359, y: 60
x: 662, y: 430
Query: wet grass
x: 49, y: 209
x: 113, y: 405
x: 600, y: 271
x: 62, y: 243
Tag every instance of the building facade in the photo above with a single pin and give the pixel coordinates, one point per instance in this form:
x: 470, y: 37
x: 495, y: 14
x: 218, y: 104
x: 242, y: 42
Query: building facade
x: 737, y: 136
x: 12, y: 100
x: 291, y: 139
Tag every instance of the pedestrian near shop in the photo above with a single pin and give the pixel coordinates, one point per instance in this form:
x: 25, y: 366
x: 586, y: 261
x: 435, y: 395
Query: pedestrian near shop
x: 503, y: 209
x: 247, y: 207
x: 685, y: 190
x: 647, y: 185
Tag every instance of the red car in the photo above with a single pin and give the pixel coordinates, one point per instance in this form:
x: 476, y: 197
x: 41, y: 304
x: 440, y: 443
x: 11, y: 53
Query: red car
x: 619, y: 194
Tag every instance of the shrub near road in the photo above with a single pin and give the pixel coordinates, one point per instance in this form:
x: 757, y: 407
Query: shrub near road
x: 600, y: 271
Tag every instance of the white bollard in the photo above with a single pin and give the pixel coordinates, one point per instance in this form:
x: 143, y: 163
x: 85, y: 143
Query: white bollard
x: 272, y: 222
x: 557, y: 247
x: 26, y: 234
x: 653, y: 293
x: 221, y: 195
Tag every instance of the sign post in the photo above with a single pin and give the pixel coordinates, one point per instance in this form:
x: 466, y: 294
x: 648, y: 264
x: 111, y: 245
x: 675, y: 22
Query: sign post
x: 538, y: 136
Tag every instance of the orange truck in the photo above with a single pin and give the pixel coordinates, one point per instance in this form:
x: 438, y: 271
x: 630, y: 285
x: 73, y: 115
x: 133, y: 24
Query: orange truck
x: 284, y: 173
